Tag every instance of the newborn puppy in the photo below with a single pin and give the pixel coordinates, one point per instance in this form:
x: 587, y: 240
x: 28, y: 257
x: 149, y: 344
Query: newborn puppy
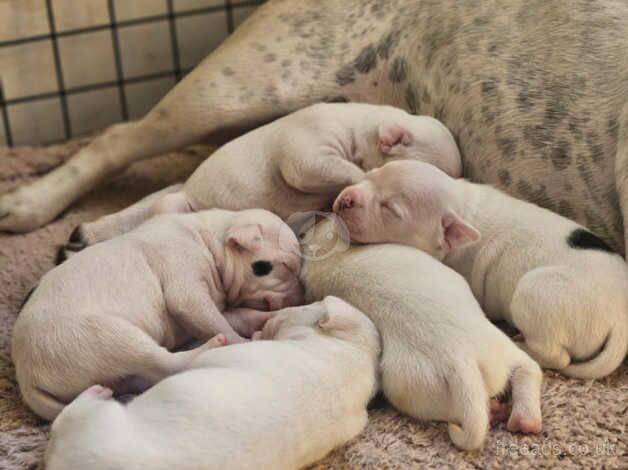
x: 114, y: 310
x: 297, y: 163
x: 559, y: 284
x: 442, y: 359
x: 280, y: 404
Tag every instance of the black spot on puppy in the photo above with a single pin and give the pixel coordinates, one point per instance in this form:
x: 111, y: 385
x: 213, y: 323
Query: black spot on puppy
x: 262, y: 268
x: 584, y: 240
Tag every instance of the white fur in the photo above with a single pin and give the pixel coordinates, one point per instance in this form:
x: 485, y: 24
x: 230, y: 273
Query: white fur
x: 114, y: 310
x: 442, y: 359
x: 279, y: 404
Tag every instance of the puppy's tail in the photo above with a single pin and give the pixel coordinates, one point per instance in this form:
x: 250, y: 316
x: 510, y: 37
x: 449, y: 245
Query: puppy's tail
x: 42, y: 402
x: 469, y: 400
x: 607, y: 360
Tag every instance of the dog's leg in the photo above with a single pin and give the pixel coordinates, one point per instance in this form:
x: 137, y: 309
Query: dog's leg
x: 621, y: 169
x: 285, y: 56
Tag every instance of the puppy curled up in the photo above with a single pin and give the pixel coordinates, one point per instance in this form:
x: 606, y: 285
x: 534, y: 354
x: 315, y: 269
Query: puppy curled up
x: 279, y: 403
x: 560, y: 285
x: 441, y: 358
x: 114, y: 310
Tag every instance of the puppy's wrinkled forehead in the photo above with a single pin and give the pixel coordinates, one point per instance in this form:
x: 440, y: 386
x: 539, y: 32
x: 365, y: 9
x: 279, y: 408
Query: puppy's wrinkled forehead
x: 413, y: 178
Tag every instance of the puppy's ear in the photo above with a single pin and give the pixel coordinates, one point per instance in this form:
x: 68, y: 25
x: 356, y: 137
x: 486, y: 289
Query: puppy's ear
x: 456, y: 233
x: 393, y: 137
x: 245, y: 237
x: 333, y: 318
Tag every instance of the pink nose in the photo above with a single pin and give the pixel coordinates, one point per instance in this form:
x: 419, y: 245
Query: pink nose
x: 345, y: 201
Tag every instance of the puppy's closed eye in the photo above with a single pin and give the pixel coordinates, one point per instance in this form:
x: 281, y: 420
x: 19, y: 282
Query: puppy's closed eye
x: 390, y: 208
x: 262, y: 268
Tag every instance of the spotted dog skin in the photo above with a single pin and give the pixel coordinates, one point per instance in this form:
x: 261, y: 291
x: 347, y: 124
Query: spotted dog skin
x: 534, y: 92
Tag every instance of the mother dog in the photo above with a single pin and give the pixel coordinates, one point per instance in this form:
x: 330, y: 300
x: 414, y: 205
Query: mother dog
x: 535, y: 91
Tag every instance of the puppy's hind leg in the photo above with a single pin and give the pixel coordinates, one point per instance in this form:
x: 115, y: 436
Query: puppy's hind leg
x: 469, y: 420
x: 526, y: 381
x: 539, y: 314
x: 127, y: 219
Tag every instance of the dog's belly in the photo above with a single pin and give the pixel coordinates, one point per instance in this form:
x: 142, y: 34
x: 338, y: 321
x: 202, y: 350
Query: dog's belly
x: 533, y: 91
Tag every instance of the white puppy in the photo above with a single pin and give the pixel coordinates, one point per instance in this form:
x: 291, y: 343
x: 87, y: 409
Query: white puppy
x: 279, y: 404
x: 442, y: 359
x: 297, y: 163
x: 559, y: 284
x: 114, y: 310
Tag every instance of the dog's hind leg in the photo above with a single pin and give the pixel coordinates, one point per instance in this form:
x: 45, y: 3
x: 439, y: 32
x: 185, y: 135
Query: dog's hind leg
x: 285, y: 56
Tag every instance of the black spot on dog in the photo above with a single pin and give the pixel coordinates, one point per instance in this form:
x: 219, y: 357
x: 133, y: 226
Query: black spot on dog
x: 411, y: 99
x: 345, y: 75
x: 595, y: 147
x: 335, y: 99
x: 582, y: 239
x: 270, y: 57
x: 565, y: 208
x: 398, y: 71
x: 262, y: 268
x: 560, y: 155
x: 366, y: 59
x: 489, y: 88
x: 508, y: 147
x: 28, y: 296
x: 228, y: 71
x: 387, y: 44
x: 504, y: 177
x: 524, y: 103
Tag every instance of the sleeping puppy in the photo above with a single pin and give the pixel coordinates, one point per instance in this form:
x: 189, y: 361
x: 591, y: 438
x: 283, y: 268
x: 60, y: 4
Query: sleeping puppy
x: 559, y: 284
x: 297, y: 163
x: 442, y: 359
x: 114, y: 311
x: 280, y: 404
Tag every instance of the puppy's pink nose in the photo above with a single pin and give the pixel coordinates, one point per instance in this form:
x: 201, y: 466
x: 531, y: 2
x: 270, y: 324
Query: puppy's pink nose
x: 345, y: 201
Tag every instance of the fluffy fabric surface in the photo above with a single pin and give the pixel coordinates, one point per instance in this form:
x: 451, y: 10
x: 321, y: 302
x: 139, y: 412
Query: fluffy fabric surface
x: 584, y: 422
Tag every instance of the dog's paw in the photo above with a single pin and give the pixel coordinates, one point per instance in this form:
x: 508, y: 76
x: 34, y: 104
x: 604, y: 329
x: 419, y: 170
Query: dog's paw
x: 20, y: 213
x: 77, y: 240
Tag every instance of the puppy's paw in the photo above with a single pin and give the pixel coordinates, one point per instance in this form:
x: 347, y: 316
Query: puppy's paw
x: 77, y: 240
x: 524, y: 422
x: 215, y: 342
x: 97, y: 392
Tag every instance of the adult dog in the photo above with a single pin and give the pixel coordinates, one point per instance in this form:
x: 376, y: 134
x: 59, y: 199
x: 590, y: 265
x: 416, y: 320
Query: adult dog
x: 533, y: 90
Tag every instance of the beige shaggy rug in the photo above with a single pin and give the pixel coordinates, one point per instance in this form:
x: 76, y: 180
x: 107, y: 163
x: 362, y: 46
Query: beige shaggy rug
x: 584, y: 421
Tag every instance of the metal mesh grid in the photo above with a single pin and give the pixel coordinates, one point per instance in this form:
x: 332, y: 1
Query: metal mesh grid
x: 114, y: 26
